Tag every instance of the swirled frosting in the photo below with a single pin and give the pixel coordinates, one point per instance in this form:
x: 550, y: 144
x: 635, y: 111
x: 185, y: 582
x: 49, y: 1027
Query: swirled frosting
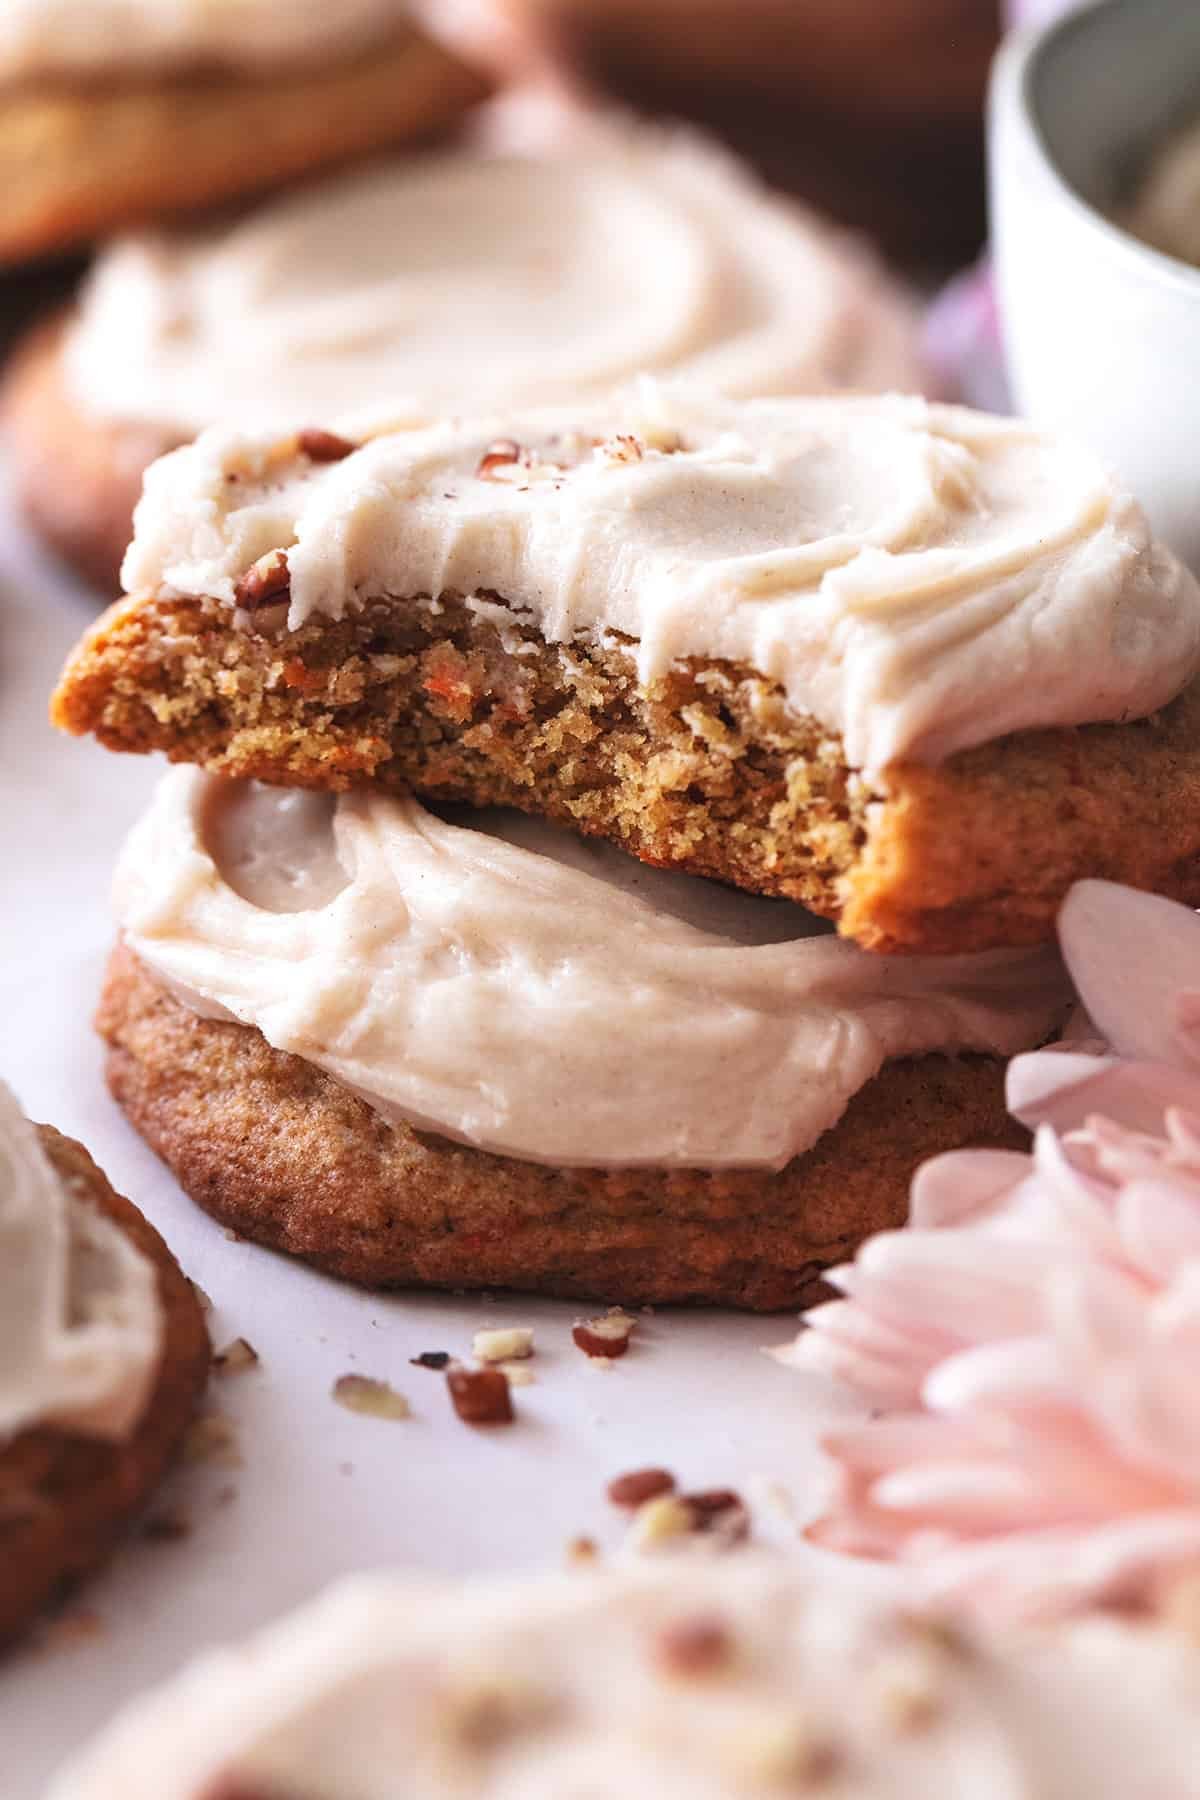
x: 106, y: 37
x: 461, y: 281
x: 559, y: 1003
x: 694, y: 1680
x: 1036, y: 1328
x: 80, y: 1322
x: 1166, y: 209
x: 918, y: 577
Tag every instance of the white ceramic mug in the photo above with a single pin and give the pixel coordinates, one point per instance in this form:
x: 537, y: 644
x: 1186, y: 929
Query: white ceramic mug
x: 1102, y: 333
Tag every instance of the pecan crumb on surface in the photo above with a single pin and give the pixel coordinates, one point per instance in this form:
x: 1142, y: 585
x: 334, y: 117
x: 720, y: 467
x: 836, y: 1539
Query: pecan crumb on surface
x: 431, y: 1359
x: 264, y: 581
x: 581, y: 1551
x: 480, y: 1396
x: 496, y: 1344
x: 694, y: 1647
x: 720, y: 1511
x: 364, y: 1394
x: 324, y: 446
x: 607, y: 1335
x: 237, y: 1356
x: 640, y: 1485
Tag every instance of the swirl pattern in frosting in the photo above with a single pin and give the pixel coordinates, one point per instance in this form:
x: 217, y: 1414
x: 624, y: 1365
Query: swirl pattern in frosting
x: 459, y: 281
x: 113, y: 37
x: 80, y: 1321
x: 920, y: 578
x: 561, y: 1003
x: 700, y: 1679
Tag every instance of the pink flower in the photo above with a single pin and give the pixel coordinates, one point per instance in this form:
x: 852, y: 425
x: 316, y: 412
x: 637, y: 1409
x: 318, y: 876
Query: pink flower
x: 1037, y: 1324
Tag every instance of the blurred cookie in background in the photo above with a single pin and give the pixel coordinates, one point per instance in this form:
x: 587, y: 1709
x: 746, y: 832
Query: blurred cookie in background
x: 116, y: 111
x: 456, y: 281
x: 869, y: 109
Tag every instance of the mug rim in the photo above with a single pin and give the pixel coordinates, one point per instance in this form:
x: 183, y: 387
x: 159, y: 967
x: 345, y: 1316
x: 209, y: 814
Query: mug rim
x: 1014, y: 72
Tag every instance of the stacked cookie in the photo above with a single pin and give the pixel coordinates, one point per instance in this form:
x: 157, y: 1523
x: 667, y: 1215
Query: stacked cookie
x: 727, y: 665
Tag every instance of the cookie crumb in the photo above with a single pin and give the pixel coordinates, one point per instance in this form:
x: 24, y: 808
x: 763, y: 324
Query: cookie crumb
x: 582, y: 1551
x: 212, y: 1439
x: 480, y: 1396
x: 365, y: 1394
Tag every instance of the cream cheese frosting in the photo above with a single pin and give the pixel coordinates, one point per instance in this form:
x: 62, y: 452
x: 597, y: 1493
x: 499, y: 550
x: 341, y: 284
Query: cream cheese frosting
x: 919, y: 577
x: 705, y: 1679
x: 1166, y: 209
x: 540, y: 997
x: 80, y: 1321
x: 107, y: 37
x: 460, y: 280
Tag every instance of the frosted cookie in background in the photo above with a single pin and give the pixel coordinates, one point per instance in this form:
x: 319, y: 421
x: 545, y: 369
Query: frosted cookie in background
x: 456, y: 282
x: 704, y: 1678
x: 871, y: 110
x: 117, y: 111
x: 103, y: 1355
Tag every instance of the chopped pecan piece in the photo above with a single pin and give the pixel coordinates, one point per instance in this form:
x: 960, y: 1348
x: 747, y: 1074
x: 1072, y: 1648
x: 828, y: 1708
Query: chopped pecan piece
x: 500, y: 455
x: 606, y: 1335
x: 497, y: 1344
x: 264, y: 582
x: 480, y: 1396
x: 324, y: 446
x: 639, y: 1486
x: 694, y: 1647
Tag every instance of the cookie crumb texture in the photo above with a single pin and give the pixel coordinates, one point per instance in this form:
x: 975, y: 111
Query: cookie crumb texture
x: 271, y: 1145
x: 66, y: 1499
x: 707, y: 770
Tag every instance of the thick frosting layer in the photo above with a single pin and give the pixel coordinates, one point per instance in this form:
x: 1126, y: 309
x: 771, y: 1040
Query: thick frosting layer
x: 1037, y: 1325
x: 560, y: 1003
x: 462, y: 281
x: 80, y: 1322
x: 702, y: 1680
x: 919, y: 577
x: 115, y: 37
x: 1166, y: 209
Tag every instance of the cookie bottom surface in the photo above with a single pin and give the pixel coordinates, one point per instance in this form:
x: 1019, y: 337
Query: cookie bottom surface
x: 273, y: 1147
x: 65, y: 1499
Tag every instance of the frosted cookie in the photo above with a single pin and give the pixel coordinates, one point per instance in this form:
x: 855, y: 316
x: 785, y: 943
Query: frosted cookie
x: 490, y: 1054
x: 460, y: 282
x: 915, y: 667
x: 115, y: 111
x: 714, y: 1679
x: 103, y: 1354
x: 871, y: 109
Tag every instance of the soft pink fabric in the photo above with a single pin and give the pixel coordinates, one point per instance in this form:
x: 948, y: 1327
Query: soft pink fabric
x: 1036, y: 1327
